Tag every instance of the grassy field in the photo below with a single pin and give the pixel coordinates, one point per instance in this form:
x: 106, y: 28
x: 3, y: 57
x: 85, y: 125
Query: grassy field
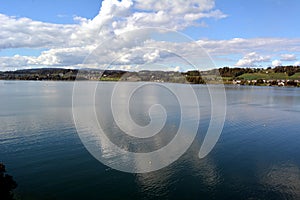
x: 295, y: 76
x: 269, y: 76
x: 109, y: 79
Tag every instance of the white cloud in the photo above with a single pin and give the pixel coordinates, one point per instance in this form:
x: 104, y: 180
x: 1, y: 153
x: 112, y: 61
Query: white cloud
x: 176, y: 7
x: 179, y: 13
x: 63, y: 56
x: 288, y: 57
x: 251, y: 60
x: 24, y: 32
x: 114, y: 17
x: 276, y: 63
x: 195, y: 16
x: 177, y: 69
x: 14, y: 62
x: 297, y: 63
x: 152, y: 56
x: 176, y: 14
x: 242, y: 45
x: 125, y: 50
x: 68, y: 45
x: 126, y: 67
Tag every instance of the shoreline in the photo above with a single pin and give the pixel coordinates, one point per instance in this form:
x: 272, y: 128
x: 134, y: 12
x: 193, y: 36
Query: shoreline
x: 282, y: 76
x: 216, y: 84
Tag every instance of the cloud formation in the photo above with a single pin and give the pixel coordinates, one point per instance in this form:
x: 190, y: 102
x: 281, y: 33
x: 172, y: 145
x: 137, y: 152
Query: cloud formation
x: 24, y: 32
x: 67, y: 45
x: 297, y: 63
x: 276, y: 63
x: 288, y: 57
x: 252, y: 59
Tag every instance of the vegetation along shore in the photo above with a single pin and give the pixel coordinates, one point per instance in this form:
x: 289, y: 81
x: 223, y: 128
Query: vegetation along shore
x: 278, y: 76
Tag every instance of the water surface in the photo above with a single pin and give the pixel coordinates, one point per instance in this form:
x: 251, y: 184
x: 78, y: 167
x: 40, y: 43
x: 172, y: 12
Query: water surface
x: 256, y: 157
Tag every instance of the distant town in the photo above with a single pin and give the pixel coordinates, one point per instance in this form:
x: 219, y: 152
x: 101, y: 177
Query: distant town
x: 277, y: 76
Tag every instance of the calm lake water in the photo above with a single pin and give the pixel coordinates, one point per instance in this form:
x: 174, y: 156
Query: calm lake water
x: 256, y: 157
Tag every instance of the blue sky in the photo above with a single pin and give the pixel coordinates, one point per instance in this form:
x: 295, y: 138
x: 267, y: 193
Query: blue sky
x: 256, y: 18
x: 55, y: 11
x: 246, y: 19
x: 268, y: 29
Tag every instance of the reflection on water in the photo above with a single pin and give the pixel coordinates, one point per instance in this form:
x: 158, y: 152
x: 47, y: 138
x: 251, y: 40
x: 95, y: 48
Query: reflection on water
x: 155, y: 184
x: 257, y: 156
x: 283, y: 179
x: 163, y: 122
x: 135, y: 148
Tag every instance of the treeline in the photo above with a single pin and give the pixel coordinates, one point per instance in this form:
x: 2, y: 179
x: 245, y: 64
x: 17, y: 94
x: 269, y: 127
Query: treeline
x: 289, y: 70
x: 235, y: 72
x: 195, y: 77
x: 40, y: 74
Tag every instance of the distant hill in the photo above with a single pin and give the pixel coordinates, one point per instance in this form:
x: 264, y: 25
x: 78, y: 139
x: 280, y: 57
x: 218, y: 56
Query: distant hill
x: 290, y: 75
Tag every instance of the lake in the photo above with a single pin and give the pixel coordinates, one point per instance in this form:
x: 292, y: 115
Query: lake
x: 256, y: 156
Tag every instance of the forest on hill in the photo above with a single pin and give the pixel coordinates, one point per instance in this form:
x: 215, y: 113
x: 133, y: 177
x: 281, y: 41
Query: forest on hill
x: 290, y: 75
